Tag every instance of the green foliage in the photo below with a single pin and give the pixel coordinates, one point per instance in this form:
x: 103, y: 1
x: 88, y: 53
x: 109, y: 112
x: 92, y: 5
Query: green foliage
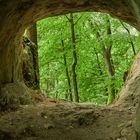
x: 92, y: 76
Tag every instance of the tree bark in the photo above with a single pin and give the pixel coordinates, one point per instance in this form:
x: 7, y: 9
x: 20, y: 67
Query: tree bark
x: 75, y: 88
x: 111, y: 73
x: 130, y: 38
x: 69, y: 91
x: 109, y: 65
x: 106, y: 48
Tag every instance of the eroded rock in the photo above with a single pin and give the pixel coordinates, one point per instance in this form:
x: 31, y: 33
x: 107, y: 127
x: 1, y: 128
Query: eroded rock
x: 30, y: 73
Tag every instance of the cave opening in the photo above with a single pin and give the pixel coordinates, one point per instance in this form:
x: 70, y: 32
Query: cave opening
x: 15, y: 17
x: 93, y: 76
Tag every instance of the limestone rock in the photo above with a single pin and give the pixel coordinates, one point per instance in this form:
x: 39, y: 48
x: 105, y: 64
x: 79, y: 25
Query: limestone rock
x: 30, y: 73
x: 14, y: 94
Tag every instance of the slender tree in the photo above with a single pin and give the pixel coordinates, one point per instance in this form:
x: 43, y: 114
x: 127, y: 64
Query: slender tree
x: 106, y: 48
x: 130, y: 37
x: 69, y: 91
x: 74, y: 63
x: 109, y: 63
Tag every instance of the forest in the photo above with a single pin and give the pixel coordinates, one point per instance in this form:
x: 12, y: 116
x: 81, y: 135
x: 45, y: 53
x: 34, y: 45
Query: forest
x: 85, y: 57
x: 69, y: 70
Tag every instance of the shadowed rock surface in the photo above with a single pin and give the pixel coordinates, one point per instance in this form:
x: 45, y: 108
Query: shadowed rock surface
x: 66, y: 121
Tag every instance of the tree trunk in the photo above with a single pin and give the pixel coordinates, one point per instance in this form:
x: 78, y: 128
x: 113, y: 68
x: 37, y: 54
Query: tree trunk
x: 32, y: 36
x: 108, y: 60
x: 98, y: 61
x: 109, y: 65
x: 111, y: 73
x: 69, y: 91
x: 75, y: 88
x: 130, y: 38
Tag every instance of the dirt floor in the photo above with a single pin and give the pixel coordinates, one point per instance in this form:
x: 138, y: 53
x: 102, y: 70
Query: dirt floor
x: 60, y: 120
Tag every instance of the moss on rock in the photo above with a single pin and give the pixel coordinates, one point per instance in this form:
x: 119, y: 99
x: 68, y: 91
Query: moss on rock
x: 14, y: 94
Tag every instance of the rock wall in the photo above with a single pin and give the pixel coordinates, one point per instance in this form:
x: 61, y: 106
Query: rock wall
x: 16, y: 15
x: 30, y: 72
x: 130, y: 93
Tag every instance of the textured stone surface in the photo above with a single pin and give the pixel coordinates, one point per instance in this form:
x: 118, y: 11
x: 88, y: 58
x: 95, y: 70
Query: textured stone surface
x: 14, y: 94
x: 16, y: 15
x: 130, y: 93
x: 30, y: 73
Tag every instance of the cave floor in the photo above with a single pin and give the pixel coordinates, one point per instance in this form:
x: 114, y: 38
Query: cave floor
x: 60, y: 120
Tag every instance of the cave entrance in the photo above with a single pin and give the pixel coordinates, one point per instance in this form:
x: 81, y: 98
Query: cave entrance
x: 92, y: 39
x: 24, y: 13
x: 15, y: 17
